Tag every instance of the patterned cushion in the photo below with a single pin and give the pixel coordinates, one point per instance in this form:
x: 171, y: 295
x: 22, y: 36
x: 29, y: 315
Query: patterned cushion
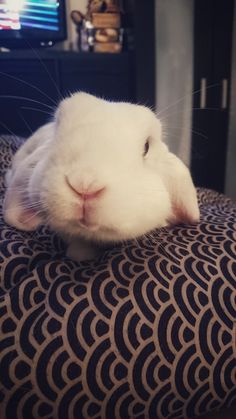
x: 145, y: 331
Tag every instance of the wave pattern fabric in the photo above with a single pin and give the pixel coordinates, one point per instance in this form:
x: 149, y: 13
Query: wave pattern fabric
x: 147, y: 331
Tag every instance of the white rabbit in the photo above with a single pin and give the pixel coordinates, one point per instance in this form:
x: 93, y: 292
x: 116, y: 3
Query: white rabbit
x: 98, y: 173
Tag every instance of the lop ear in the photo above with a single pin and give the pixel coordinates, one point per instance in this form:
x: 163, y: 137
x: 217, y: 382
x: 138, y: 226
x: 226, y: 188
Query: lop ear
x: 179, y: 184
x: 16, y: 211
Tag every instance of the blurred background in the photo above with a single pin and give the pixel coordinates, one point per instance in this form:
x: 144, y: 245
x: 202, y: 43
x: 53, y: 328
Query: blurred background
x: 176, y: 56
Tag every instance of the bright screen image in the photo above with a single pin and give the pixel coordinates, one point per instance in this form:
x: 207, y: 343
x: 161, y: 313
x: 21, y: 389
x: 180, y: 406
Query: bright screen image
x: 23, y: 14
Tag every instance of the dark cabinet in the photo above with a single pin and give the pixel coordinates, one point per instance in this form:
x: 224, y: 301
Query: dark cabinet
x: 107, y: 75
x: 31, y: 85
x: 49, y: 75
x: 213, y: 23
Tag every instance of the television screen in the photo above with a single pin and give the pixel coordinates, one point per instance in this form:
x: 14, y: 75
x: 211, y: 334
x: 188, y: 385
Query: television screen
x: 38, y: 21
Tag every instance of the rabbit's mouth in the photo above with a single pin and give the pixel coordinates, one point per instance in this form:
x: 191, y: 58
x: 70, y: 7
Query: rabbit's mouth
x: 86, y: 224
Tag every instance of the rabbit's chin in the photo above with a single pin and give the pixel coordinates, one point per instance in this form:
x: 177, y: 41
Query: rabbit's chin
x: 104, y: 233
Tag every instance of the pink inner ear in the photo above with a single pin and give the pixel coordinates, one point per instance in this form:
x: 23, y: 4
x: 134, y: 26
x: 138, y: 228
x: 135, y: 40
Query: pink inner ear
x: 181, y: 216
x: 29, y: 218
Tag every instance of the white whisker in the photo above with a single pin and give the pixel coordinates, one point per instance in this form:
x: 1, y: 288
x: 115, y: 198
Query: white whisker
x: 192, y: 93
x: 26, y: 123
x: 38, y: 110
x: 27, y: 99
x: 32, y: 216
x: 8, y: 129
x: 29, y: 84
x: 46, y: 69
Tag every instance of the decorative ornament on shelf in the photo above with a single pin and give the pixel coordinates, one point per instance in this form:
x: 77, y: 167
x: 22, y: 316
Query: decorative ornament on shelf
x: 100, y: 28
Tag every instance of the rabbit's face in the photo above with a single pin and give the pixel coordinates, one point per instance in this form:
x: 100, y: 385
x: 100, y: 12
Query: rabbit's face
x: 106, y: 175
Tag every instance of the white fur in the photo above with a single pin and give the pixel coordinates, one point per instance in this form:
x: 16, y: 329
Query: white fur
x: 97, y: 144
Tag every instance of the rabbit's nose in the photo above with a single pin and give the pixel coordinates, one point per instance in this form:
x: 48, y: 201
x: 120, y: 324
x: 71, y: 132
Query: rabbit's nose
x: 86, y: 193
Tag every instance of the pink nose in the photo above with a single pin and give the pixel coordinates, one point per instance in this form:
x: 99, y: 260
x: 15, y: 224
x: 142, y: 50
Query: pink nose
x: 85, y: 193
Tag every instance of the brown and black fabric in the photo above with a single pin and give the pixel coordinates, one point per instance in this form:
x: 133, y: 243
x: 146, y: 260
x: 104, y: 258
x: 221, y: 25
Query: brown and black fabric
x: 147, y: 331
